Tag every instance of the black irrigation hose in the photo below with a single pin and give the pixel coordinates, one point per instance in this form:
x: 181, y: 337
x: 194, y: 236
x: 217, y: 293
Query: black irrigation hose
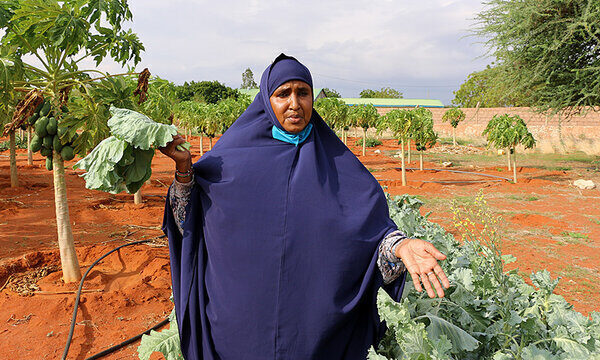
x: 461, y: 172
x: 74, y: 318
x: 128, y: 341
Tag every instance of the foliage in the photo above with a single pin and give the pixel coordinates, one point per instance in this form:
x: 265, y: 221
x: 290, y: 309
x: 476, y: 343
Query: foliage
x: 421, y: 129
x: 454, y: 115
x: 385, y: 92
x: 398, y: 121
x: 122, y: 161
x: 333, y: 111
x: 331, y: 93
x: 209, y: 92
x: 486, y: 88
x: 248, y: 80
x: 505, y: 131
x: 549, y: 51
x: 364, y: 116
x: 487, y: 312
x: 20, y: 143
x: 369, y: 142
x: 165, y: 342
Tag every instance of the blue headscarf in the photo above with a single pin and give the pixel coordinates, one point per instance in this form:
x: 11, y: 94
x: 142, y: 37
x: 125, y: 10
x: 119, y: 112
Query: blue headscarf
x: 278, y: 255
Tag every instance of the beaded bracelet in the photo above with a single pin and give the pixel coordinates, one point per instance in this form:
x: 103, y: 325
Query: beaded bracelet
x: 185, y: 174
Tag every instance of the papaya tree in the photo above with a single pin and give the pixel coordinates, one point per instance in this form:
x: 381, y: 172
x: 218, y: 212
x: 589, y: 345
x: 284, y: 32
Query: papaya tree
x: 505, y: 131
x: 364, y: 116
x: 454, y: 116
x: 334, y: 112
x: 398, y: 121
x: 59, y: 35
x: 422, y: 132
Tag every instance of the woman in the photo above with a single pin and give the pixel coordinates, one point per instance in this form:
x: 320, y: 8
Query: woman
x: 281, y: 238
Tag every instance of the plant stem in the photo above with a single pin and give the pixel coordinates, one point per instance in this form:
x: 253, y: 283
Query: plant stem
x: 408, y: 150
x: 364, y: 148
x: 29, y: 152
x: 66, y: 244
x: 137, y: 197
x: 514, y: 163
x: 14, y: 178
x: 508, y: 157
x: 403, y: 164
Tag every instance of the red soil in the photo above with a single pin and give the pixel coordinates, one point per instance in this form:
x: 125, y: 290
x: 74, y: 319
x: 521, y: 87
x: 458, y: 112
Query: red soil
x: 134, y: 283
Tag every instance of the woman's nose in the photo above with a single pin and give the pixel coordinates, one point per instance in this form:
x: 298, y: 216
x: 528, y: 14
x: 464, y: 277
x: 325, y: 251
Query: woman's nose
x: 294, y: 104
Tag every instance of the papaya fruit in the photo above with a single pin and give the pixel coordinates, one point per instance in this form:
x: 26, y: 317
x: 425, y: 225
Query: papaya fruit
x: 36, y: 143
x: 56, y: 144
x: 61, y: 131
x: 49, y: 163
x: 67, y: 153
x: 33, y: 118
x: 45, y: 108
x: 47, y: 142
x: 40, y: 126
x: 52, y: 126
x: 45, y: 152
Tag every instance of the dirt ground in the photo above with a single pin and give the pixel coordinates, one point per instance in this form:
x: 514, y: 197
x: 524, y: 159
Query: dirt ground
x: 550, y: 224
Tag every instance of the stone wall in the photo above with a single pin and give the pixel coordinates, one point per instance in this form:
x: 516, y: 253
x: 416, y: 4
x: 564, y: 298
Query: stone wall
x: 553, y: 134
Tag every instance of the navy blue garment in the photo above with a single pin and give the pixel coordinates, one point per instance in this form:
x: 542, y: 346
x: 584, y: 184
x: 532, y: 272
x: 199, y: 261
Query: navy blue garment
x: 278, y: 258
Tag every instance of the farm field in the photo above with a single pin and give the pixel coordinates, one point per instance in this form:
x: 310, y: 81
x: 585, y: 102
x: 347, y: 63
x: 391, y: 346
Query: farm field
x: 550, y: 224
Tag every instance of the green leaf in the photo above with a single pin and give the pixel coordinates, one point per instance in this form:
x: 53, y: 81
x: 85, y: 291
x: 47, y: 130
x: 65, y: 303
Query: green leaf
x: 139, y: 130
x: 461, y: 340
x: 165, y: 342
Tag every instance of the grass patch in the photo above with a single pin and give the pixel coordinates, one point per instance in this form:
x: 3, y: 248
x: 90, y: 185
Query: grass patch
x: 572, y: 237
x: 448, y: 141
x: 522, y: 198
x: 597, y: 221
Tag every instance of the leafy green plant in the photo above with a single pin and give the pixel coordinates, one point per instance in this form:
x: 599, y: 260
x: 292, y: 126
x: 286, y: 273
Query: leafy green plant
x: 505, y: 131
x: 364, y: 116
x: 421, y: 131
x: 455, y: 116
x: 575, y: 235
x: 488, y: 313
x: 398, y: 121
x: 20, y: 143
x: 371, y: 142
x: 335, y: 113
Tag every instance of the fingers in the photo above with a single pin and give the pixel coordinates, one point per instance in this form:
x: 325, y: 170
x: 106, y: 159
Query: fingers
x: 426, y: 283
x: 435, y: 252
x: 416, y: 281
x: 442, y: 276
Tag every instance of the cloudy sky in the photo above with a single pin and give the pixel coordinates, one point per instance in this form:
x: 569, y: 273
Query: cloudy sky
x: 421, y: 48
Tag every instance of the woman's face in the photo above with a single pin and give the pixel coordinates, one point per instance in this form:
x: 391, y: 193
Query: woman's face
x: 292, y: 103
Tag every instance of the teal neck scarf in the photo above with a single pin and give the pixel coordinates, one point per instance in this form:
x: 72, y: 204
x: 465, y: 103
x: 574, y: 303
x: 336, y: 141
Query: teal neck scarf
x: 294, y: 139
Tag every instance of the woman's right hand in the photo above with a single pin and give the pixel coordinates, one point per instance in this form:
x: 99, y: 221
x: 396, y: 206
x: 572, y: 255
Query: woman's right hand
x: 183, y: 159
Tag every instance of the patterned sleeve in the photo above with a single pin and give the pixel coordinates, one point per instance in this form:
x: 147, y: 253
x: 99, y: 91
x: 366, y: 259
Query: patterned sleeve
x: 391, y: 267
x: 179, y: 198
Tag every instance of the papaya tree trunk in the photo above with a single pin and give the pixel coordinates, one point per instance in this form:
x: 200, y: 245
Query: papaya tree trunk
x: 14, y: 178
x: 201, y: 145
x: 137, y: 197
x: 403, y: 164
x: 454, y: 136
x: 344, y: 136
x: 210, y: 143
x: 364, y: 152
x: 29, y: 152
x: 421, y: 160
x: 408, y: 150
x: 66, y: 244
x: 508, y: 157
x: 514, y: 165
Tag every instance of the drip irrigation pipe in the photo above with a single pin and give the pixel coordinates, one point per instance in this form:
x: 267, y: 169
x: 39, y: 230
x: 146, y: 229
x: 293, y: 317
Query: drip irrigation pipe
x: 74, y: 318
x: 461, y: 172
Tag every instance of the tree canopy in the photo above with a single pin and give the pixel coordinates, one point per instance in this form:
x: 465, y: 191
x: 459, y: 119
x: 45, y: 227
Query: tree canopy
x: 487, y: 88
x: 210, y: 92
x: 549, y: 51
x: 384, y: 93
x: 331, y: 93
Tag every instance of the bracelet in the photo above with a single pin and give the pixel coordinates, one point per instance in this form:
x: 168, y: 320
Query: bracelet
x: 185, y: 174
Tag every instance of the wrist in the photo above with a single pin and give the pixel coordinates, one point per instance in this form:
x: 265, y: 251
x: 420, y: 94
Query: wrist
x: 183, y: 166
x: 399, y: 246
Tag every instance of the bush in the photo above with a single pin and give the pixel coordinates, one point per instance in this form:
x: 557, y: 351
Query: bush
x: 370, y: 142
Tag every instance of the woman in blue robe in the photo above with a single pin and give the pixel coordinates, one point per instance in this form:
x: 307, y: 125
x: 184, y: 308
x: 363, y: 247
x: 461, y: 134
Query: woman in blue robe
x: 279, y: 237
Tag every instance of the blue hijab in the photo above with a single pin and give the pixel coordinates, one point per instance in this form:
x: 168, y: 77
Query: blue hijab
x: 278, y: 254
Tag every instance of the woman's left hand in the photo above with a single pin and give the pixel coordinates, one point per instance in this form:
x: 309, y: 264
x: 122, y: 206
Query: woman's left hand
x: 420, y: 259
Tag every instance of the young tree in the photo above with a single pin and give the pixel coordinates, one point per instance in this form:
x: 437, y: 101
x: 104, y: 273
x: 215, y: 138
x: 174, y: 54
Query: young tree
x: 334, y: 112
x: 210, y: 92
x: 59, y: 35
x: 505, y: 131
x: 11, y: 71
x: 454, y: 116
x: 422, y: 132
x: 549, y: 51
x: 248, y: 80
x: 364, y: 116
x: 399, y: 123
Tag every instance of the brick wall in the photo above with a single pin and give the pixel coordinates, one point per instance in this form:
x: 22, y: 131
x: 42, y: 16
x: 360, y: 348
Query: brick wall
x: 553, y: 134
